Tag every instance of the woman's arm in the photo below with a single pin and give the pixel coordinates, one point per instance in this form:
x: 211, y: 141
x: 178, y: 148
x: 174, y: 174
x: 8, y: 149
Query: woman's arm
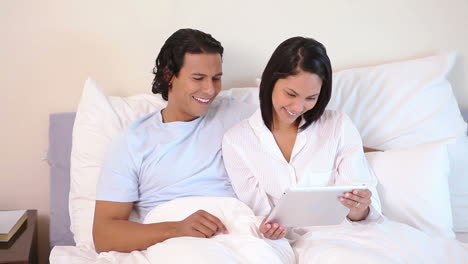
x: 247, y: 187
x: 244, y: 183
x: 353, y: 169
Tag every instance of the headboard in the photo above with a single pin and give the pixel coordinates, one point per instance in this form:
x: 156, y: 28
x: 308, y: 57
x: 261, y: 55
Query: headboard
x: 60, y: 138
x: 58, y: 156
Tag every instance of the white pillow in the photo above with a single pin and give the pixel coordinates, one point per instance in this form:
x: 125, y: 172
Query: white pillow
x: 404, y: 104
x: 99, y: 119
x: 413, y: 186
x: 458, y: 182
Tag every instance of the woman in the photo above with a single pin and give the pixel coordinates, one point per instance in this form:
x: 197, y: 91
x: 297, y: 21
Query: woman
x: 293, y: 141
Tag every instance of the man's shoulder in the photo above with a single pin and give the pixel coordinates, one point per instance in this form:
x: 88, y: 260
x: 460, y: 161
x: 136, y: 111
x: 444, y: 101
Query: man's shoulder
x: 138, y: 129
x: 233, y: 108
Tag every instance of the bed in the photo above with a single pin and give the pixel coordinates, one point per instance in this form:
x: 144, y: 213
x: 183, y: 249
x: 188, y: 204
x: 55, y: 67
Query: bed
x: 363, y: 93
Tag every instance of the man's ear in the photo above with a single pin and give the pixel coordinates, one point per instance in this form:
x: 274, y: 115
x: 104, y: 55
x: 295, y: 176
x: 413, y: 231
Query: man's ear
x: 171, y: 81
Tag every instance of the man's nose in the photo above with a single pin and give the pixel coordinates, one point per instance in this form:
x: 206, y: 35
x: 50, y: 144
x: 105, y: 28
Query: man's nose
x: 209, y: 87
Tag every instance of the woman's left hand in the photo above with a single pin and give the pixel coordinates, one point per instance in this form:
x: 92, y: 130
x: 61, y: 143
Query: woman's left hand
x: 358, y: 202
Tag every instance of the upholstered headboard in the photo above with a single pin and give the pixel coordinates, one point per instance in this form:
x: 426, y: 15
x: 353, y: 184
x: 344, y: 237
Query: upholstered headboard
x: 58, y: 156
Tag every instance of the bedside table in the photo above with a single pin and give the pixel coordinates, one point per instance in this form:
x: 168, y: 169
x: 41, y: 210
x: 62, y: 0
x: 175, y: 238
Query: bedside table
x: 24, y: 248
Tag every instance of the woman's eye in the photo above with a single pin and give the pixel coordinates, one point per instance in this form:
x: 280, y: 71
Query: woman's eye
x: 312, y: 99
x: 290, y: 94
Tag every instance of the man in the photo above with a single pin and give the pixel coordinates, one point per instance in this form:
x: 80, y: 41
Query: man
x: 169, y: 154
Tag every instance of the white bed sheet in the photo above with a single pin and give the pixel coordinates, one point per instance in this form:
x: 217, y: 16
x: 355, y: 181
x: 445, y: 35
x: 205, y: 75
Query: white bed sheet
x: 463, y: 238
x: 380, y: 242
x: 244, y: 245
x: 76, y: 255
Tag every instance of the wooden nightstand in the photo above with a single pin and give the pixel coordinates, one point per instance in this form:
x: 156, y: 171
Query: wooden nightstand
x: 24, y: 248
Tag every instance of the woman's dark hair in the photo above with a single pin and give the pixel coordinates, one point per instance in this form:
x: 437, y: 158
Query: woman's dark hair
x: 171, y: 56
x: 290, y: 57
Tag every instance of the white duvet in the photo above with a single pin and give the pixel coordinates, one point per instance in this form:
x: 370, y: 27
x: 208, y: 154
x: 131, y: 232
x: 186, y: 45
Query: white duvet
x: 380, y: 242
x: 383, y: 242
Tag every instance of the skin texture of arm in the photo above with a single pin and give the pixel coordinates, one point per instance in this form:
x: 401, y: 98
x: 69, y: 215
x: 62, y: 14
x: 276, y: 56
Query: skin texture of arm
x: 112, y: 231
x: 370, y: 150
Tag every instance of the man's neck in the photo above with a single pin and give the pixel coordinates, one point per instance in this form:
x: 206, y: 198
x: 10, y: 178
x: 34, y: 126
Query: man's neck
x: 168, y: 115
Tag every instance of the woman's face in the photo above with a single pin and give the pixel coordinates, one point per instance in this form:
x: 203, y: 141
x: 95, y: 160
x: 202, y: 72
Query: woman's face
x: 293, y: 96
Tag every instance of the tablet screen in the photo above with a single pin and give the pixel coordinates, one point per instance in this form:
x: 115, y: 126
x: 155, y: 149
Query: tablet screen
x: 311, y: 206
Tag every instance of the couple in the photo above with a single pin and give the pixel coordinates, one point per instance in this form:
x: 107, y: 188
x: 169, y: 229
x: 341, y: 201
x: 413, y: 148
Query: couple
x: 199, y: 146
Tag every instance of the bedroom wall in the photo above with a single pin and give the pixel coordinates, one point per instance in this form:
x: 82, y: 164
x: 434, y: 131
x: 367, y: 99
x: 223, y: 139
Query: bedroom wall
x: 49, y: 47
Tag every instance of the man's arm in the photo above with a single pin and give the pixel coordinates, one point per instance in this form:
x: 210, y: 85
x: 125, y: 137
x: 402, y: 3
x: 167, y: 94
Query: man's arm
x: 112, y: 231
x: 370, y: 150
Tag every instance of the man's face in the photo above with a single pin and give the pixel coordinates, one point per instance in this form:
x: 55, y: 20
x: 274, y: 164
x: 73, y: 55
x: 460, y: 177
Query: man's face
x: 196, y: 86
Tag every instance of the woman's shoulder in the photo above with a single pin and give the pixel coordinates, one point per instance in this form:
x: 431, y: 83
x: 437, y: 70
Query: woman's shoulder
x: 330, y: 116
x: 332, y: 123
x: 242, y: 128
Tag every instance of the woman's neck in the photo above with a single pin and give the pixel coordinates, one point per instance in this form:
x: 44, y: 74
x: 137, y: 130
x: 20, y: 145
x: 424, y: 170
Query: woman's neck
x: 278, y: 126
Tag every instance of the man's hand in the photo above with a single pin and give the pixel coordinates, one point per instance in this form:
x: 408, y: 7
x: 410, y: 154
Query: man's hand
x: 200, y: 224
x: 272, y: 230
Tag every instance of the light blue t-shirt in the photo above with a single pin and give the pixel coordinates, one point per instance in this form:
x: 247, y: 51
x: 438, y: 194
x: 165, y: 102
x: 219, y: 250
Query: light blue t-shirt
x: 154, y: 162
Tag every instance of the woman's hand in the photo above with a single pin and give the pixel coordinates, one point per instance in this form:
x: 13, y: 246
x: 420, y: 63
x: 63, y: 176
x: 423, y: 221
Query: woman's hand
x: 358, y: 202
x: 272, y: 230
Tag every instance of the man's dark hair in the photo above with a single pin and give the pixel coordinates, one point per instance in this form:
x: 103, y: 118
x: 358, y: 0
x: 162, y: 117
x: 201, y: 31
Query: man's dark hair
x: 171, y: 56
x: 290, y: 57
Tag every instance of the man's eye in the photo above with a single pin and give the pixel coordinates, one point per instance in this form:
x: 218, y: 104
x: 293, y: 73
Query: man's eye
x: 198, y: 78
x: 216, y: 78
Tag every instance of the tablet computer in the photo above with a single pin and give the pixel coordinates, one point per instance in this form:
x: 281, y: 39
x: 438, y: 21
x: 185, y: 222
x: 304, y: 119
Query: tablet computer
x: 311, y: 206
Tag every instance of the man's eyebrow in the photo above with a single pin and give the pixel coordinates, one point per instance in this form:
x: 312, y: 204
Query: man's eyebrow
x: 203, y: 75
x: 198, y: 74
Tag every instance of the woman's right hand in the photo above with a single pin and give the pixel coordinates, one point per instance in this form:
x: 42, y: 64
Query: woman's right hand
x: 272, y: 231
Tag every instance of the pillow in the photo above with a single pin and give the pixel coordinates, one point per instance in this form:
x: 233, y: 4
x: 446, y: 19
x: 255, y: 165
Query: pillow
x: 404, y: 104
x: 413, y: 186
x: 99, y: 119
x: 458, y: 182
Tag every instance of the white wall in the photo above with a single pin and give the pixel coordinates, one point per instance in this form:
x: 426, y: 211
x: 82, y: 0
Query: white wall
x: 49, y: 47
